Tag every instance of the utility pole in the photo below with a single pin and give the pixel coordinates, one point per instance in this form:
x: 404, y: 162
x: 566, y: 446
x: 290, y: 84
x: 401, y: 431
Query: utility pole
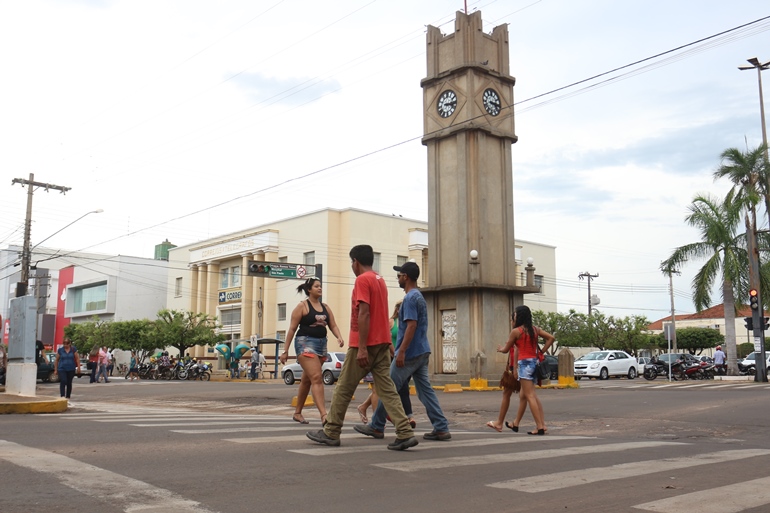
x: 590, y: 277
x: 671, y: 273
x: 21, y: 287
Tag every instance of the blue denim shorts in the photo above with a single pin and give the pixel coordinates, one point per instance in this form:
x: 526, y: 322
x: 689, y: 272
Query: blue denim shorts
x: 310, y: 346
x: 527, y: 369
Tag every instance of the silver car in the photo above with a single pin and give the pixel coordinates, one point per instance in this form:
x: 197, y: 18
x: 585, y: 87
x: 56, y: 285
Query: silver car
x: 331, y: 369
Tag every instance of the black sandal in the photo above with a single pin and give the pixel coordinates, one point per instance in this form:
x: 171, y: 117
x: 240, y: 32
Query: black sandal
x: 539, y: 432
x: 512, y: 427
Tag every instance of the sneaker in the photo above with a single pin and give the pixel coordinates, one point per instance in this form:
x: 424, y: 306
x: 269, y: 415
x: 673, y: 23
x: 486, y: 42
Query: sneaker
x: 402, y: 445
x: 321, y: 437
x: 366, y: 429
x: 434, y: 435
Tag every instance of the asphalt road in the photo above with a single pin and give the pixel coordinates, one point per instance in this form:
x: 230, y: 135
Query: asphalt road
x: 171, y: 447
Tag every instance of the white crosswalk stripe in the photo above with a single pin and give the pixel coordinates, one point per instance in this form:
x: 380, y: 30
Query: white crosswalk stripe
x: 556, y: 481
x: 732, y: 498
x: 484, y: 459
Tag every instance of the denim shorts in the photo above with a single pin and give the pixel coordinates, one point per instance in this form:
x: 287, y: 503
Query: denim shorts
x: 310, y: 346
x: 527, y: 369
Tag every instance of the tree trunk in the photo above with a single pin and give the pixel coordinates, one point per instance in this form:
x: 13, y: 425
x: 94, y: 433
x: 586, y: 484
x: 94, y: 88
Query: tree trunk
x: 732, y: 348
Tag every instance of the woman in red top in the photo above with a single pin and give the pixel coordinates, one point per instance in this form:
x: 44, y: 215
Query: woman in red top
x: 523, y: 341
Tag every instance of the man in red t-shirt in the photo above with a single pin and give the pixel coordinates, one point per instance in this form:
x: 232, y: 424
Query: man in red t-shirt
x: 369, y: 351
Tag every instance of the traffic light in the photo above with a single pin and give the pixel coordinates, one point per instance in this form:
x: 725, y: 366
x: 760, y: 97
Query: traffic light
x: 750, y: 323
x: 754, y: 299
x: 259, y: 269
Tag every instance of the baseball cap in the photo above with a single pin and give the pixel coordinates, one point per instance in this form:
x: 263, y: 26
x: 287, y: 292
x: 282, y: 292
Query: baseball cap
x: 411, y: 269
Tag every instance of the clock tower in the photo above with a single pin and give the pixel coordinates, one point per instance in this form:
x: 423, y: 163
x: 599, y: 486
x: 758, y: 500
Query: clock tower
x: 473, y: 282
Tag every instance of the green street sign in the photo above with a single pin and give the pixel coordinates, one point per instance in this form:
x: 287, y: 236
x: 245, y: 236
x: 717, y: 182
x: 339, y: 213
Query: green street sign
x: 289, y: 271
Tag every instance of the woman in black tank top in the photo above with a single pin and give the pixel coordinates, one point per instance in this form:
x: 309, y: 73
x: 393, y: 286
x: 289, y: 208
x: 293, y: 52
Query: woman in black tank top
x: 309, y: 320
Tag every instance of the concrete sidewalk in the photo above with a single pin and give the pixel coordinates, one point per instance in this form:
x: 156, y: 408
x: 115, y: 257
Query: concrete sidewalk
x: 12, y: 403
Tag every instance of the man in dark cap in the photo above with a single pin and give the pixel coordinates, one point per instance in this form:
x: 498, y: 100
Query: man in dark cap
x: 411, y: 358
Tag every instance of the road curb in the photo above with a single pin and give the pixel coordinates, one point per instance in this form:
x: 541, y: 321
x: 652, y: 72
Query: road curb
x: 26, y: 404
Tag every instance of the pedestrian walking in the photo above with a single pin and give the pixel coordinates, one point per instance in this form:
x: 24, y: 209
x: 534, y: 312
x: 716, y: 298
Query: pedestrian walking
x: 66, y: 365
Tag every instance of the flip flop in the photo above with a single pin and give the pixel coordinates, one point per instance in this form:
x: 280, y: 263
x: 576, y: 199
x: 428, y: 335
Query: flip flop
x: 297, y: 417
x: 491, y: 424
x: 362, y: 415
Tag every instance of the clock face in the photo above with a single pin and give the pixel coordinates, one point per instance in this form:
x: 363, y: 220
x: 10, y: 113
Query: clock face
x: 491, y: 102
x: 447, y: 103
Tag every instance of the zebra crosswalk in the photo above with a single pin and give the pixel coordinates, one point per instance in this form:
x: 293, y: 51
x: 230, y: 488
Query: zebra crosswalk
x: 483, y: 453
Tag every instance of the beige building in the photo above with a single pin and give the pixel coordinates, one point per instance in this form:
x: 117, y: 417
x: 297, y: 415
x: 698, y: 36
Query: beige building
x: 211, y: 276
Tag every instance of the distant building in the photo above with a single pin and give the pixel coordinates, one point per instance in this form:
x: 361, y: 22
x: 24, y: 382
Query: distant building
x: 713, y: 317
x: 77, y: 286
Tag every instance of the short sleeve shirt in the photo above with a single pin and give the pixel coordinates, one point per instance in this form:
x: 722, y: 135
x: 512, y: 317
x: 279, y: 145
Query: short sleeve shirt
x: 67, y: 360
x: 414, y: 308
x: 370, y: 288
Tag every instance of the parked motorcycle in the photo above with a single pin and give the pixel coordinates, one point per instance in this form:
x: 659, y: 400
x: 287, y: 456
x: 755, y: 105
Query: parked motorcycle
x: 654, y: 369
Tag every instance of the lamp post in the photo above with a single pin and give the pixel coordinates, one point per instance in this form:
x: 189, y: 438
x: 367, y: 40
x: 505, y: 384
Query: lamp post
x: 760, y: 67
x: 97, y: 211
x: 759, y: 332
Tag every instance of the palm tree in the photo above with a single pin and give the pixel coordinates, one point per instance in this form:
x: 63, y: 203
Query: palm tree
x: 749, y: 173
x: 726, y: 259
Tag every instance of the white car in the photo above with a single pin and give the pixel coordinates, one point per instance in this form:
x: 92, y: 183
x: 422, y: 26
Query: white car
x: 331, y: 368
x: 603, y: 364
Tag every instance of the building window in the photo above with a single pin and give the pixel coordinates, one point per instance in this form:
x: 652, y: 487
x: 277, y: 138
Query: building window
x: 178, y: 287
x: 281, y: 311
x: 224, y: 275
x: 280, y: 335
x: 517, y: 254
x: 89, y: 299
x: 376, y: 264
x: 539, y: 283
x: 401, y: 260
x: 235, y: 276
x: 309, y: 258
x: 231, y: 317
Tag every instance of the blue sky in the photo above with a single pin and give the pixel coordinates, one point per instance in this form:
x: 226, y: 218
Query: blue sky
x: 155, y: 110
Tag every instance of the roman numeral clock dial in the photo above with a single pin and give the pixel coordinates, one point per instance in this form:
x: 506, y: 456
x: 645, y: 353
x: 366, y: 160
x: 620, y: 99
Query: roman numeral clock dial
x: 491, y: 101
x: 447, y: 103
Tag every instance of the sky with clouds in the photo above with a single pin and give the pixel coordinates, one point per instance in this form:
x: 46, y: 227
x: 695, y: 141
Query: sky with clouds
x: 190, y: 119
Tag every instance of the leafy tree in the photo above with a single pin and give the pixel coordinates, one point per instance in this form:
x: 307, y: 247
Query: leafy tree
x: 86, y: 335
x: 695, y: 340
x: 183, y: 330
x: 628, y: 334
x: 745, y: 349
x: 135, y: 335
x: 725, y: 255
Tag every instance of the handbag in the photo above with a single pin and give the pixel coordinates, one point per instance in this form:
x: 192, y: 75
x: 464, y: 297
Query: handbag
x: 508, y: 380
x: 89, y: 365
x: 542, y: 369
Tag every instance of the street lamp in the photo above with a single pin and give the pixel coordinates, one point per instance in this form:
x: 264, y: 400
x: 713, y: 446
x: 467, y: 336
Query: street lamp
x: 760, y: 67
x: 26, y: 254
x: 97, y: 211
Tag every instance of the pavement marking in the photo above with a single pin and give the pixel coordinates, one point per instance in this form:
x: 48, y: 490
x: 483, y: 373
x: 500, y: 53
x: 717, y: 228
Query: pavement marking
x: 127, y: 493
x: 135, y: 418
x: 182, y: 424
x: 559, y: 480
x: 695, y: 386
x: 464, y: 461
x: 426, y: 444
x: 295, y: 438
x: 732, y: 498
x: 287, y: 427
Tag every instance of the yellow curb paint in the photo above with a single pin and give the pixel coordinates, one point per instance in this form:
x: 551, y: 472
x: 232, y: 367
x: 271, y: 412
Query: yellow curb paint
x: 308, y: 402
x: 453, y: 388
x: 33, y: 406
x: 479, y: 384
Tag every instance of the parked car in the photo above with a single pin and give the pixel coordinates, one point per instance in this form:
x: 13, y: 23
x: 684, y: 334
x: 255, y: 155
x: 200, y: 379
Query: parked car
x: 45, y: 369
x: 553, y: 366
x: 687, y: 357
x: 751, y: 362
x: 603, y: 364
x: 331, y: 369
x: 640, y: 363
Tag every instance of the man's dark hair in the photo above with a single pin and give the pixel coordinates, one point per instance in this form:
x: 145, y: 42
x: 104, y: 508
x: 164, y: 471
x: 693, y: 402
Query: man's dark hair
x: 364, y: 254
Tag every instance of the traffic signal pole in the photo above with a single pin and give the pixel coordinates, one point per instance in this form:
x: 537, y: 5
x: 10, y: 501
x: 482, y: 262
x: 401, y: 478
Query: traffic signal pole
x: 755, y: 301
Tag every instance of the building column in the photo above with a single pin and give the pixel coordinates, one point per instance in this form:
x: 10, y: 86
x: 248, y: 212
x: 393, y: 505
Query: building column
x: 212, y: 298
x: 200, y: 298
x: 247, y: 298
x: 193, y: 288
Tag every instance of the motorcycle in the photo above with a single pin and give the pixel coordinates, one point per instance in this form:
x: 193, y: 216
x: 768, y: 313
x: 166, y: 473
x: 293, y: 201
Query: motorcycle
x: 199, y: 371
x: 654, y: 369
